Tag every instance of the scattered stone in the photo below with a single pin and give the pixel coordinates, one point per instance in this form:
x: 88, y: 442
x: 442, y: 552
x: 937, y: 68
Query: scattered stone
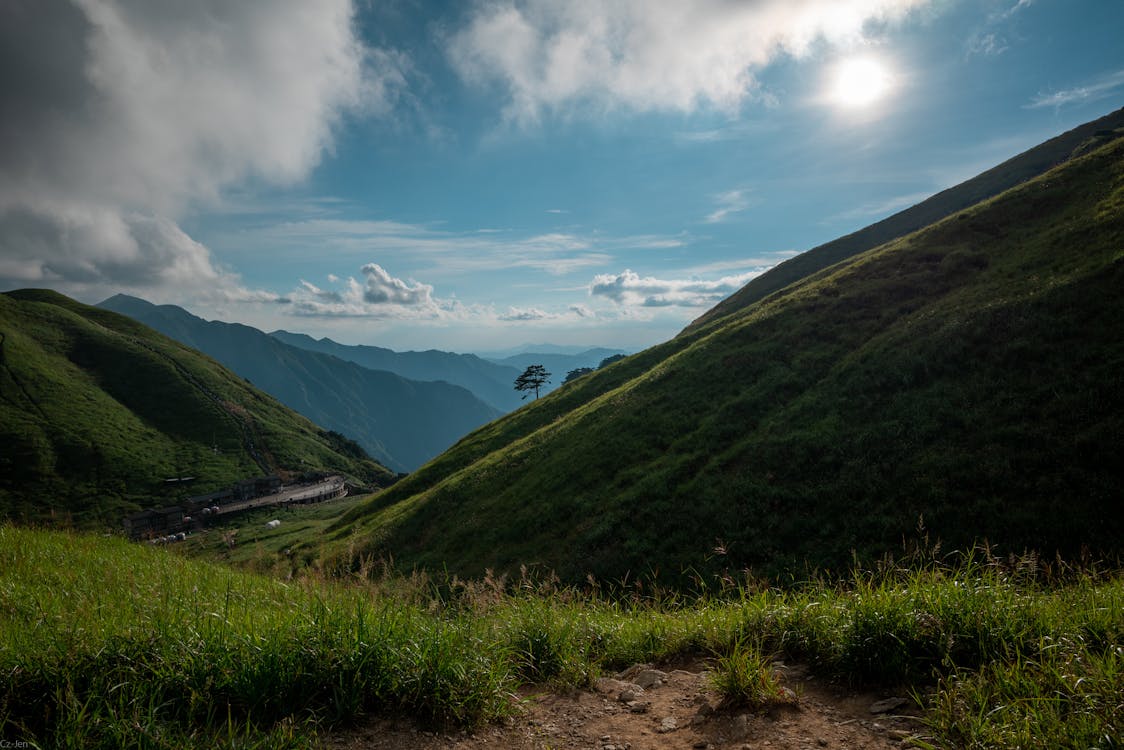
x: 821, y: 742
x: 739, y: 730
x: 884, y: 706
x: 650, y: 678
x: 638, y: 707
x: 630, y: 673
x: 701, y: 744
x: 630, y: 694
x: 668, y: 724
x: 608, y: 685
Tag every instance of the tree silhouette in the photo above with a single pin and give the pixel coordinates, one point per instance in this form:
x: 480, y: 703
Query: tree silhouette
x: 532, y: 379
x: 575, y: 374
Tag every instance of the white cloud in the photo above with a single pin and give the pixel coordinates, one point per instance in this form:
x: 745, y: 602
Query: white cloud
x: 384, y: 289
x: 630, y: 289
x: 646, y: 55
x: 119, y: 116
x: 1102, y: 88
x: 439, y: 252
x: 1018, y: 6
x: 379, y: 295
x: 729, y: 202
x: 582, y: 311
x: 989, y: 44
x: 524, y: 314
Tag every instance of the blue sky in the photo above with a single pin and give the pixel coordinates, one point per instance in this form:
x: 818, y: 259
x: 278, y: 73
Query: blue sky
x: 476, y: 175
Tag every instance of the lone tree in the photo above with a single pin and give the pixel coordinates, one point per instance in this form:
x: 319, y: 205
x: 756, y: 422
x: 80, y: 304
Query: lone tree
x: 532, y: 379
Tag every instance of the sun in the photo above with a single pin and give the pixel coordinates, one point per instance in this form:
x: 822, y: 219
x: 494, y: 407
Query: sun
x: 860, y: 82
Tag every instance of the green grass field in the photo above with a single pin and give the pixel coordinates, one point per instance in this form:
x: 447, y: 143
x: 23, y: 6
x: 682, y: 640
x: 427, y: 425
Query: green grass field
x: 244, y: 540
x: 109, y: 644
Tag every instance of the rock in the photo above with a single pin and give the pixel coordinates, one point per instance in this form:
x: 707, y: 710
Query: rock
x: 638, y: 707
x: 608, y: 685
x: 630, y: 673
x: 668, y: 724
x: 739, y: 729
x: 630, y: 694
x: 884, y: 706
x: 650, y: 677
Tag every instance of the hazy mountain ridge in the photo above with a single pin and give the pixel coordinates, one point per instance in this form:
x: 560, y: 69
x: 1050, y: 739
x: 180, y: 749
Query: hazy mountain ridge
x: 489, y: 381
x: 97, y: 410
x: 489, y: 377
x: 965, y: 377
x: 401, y: 422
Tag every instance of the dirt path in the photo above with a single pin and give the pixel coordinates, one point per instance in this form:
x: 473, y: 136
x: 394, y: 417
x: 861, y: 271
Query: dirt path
x: 677, y: 709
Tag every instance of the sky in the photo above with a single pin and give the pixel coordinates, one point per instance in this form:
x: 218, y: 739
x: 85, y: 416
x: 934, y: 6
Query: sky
x: 480, y: 174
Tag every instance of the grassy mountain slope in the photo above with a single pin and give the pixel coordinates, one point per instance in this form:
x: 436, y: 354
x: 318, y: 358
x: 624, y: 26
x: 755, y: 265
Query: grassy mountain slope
x: 489, y: 381
x: 968, y: 375
x: 96, y: 410
x: 1010, y: 173
x: 402, y: 423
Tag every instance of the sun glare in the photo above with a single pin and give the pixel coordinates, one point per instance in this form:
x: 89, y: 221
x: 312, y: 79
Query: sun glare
x: 860, y: 82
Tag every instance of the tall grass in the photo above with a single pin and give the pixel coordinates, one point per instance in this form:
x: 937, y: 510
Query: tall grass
x: 108, y: 644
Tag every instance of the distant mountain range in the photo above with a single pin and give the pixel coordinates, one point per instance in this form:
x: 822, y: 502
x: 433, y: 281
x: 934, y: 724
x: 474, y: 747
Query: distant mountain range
x: 101, y: 415
x: 401, y: 422
x: 489, y: 377
x: 941, y: 387
x: 404, y: 408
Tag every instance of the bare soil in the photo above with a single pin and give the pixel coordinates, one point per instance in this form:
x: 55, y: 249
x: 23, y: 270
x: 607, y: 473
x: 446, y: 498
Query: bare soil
x: 680, y: 710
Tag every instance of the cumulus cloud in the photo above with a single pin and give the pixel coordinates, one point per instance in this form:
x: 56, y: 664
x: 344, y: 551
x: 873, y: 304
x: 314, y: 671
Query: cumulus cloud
x: 524, y: 314
x: 384, y: 289
x: 630, y: 289
x: 118, y: 116
x: 378, y: 295
x: 646, y: 55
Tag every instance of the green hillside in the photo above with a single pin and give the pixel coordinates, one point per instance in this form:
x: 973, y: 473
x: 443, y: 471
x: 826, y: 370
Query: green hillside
x: 965, y: 380
x: 97, y: 411
x: 1007, y: 175
x: 399, y: 422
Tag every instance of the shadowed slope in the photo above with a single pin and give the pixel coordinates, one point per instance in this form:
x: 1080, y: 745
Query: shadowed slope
x: 97, y: 410
x: 401, y: 422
